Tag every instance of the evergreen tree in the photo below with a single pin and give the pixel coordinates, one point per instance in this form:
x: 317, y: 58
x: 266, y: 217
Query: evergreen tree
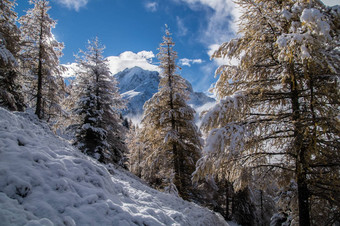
x: 136, y: 151
x: 279, y: 107
x: 40, y: 58
x: 10, y: 85
x: 171, y: 139
x: 100, y: 133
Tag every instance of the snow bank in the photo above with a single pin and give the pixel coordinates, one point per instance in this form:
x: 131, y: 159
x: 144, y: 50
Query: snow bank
x: 45, y: 181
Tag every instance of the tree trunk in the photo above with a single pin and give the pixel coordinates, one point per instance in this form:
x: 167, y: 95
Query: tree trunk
x: 38, y: 109
x: 262, y: 212
x: 177, y: 160
x: 303, y: 199
x: 301, y: 165
x: 227, y: 215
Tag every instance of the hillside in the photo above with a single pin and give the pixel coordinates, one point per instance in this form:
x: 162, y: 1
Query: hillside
x: 46, y: 181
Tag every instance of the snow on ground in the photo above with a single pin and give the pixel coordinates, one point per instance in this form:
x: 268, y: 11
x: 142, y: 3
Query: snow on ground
x: 46, y: 181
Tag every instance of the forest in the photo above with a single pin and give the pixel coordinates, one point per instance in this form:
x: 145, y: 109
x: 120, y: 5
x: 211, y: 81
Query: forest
x: 266, y: 153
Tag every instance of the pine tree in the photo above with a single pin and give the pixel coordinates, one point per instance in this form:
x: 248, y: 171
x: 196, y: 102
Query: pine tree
x: 169, y: 134
x: 10, y: 85
x: 100, y: 133
x: 40, y: 53
x: 278, y: 109
x: 136, y: 151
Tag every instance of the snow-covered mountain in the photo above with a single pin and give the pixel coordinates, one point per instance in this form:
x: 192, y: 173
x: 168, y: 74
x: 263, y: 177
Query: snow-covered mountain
x: 138, y: 85
x: 46, y: 181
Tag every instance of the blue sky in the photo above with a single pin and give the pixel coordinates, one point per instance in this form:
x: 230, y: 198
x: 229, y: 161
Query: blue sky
x: 131, y: 30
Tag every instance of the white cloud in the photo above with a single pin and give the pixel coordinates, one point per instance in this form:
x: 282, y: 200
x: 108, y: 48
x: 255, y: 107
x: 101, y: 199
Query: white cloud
x: 130, y: 59
x: 182, y: 29
x: 151, y: 6
x: 189, y: 62
x: 221, y: 24
x: 73, y: 4
x: 221, y: 61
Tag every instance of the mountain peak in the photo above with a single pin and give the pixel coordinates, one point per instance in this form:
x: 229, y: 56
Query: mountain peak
x: 138, y: 85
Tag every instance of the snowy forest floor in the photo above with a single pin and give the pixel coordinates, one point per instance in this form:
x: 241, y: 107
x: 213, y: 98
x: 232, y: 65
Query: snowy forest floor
x: 46, y: 181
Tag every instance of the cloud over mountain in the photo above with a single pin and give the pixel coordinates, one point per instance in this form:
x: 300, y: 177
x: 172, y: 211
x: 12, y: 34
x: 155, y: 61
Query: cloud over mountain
x: 128, y: 59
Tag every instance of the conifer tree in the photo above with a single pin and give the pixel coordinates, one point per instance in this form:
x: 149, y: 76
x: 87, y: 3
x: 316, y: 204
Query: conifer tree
x: 100, y: 133
x: 169, y: 134
x: 278, y: 109
x: 136, y: 151
x: 10, y: 85
x: 40, y: 58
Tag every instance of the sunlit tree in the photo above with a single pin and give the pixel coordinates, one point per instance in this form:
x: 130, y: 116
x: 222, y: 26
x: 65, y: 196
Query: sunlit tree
x: 100, y: 132
x: 279, y: 108
x: 170, y: 137
x: 40, y: 59
x: 10, y: 82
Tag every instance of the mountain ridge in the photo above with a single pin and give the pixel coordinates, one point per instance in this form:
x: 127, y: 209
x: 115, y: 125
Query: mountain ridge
x: 138, y: 85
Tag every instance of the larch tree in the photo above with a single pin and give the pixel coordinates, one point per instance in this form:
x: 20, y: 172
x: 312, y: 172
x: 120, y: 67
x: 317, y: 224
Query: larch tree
x: 100, y: 132
x: 170, y: 137
x: 279, y: 108
x: 136, y: 151
x: 40, y: 59
x: 10, y: 82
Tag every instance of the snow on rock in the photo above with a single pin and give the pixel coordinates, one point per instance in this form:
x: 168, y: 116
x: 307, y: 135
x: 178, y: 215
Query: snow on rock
x: 46, y: 181
x: 138, y: 85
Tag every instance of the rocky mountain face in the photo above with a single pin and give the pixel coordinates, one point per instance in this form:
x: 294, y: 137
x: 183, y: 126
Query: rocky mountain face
x: 138, y: 85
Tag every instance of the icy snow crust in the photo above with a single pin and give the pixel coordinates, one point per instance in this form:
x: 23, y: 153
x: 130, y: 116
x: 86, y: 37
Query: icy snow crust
x: 46, y: 181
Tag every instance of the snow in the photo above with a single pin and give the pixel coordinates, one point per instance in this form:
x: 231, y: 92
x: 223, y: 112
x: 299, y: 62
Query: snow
x: 70, y: 70
x: 130, y: 94
x: 138, y: 85
x: 315, y: 18
x: 46, y: 181
x: 286, y: 14
x: 234, y: 101
x: 304, y: 52
x: 313, y: 25
x: 6, y: 56
x: 282, y: 41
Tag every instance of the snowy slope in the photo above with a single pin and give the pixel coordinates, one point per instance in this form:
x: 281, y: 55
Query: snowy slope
x: 138, y: 85
x: 46, y: 181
